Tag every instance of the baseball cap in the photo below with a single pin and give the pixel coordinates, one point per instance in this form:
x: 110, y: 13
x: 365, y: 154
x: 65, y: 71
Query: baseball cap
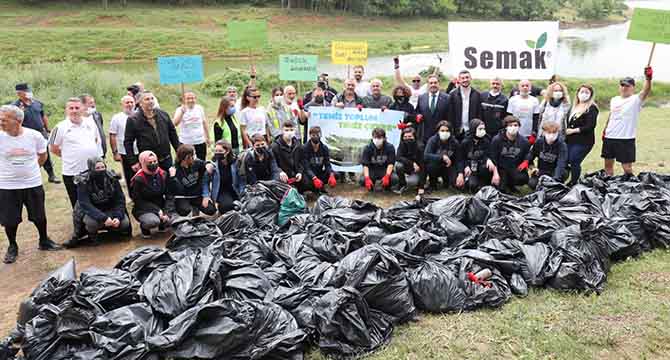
x: 22, y: 87
x: 627, y: 81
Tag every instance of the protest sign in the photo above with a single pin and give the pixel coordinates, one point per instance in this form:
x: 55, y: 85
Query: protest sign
x: 349, y: 52
x: 298, y: 67
x: 519, y: 50
x: 247, y: 34
x: 650, y: 25
x: 347, y: 131
x: 180, y: 69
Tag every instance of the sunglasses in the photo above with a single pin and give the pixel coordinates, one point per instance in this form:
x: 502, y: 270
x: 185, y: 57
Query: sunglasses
x: 416, y: 81
x: 254, y: 97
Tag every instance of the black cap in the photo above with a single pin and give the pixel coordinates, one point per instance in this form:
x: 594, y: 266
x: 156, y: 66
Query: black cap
x: 628, y: 81
x: 133, y: 89
x: 22, y: 87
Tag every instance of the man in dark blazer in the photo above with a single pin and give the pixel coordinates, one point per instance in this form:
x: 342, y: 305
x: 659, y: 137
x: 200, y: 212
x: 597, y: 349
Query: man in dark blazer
x: 432, y: 106
x: 459, y: 115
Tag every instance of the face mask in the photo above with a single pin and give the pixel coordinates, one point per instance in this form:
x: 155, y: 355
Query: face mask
x: 378, y: 142
x: 318, y: 98
x: 481, y: 132
x: 29, y: 95
x: 260, y: 150
x: 230, y: 111
x: 584, y: 96
x: 91, y: 110
x: 219, y: 156
x: 400, y: 99
x: 152, y: 167
x: 289, y: 134
x: 279, y: 99
x: 99, y: 174
x: 558, y: 95
x: 315, y: 140
x: 550, y: 138
x: 523, y: 93
x: 445, y: 135
x: 512, y: 130
x: 494, y: 92
x: 410, y: 141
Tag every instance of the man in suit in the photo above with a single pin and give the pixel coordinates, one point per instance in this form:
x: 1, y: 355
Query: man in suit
x: 464, y: 105
x: 433, y: 108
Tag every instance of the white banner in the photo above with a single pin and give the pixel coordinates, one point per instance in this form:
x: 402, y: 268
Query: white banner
x: 509, y: 50
x: 347, y: 131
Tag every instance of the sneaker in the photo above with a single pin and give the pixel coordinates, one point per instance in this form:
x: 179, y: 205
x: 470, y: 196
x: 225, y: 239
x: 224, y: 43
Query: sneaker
x: 12, y: 253
x: 53, y: 179
x: 71, y: 243
x: 401, y: 190
x: 146, y: 234
x: 93, y: 239
x: 48, y: 245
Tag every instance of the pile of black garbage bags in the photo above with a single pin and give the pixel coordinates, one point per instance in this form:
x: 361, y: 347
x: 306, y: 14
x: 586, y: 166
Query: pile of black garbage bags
x: 340, y: 276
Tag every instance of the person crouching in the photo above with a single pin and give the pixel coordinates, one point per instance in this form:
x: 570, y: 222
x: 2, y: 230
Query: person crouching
x: 552, y: 154
x: 378, y: 160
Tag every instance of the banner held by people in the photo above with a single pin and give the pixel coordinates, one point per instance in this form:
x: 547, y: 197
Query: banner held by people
x: 247, y: 34
x: 650, y: 25
x: 347, y: 131
x: 349, y: 52
x: 528, y: 51
x: 298, y: 67
x: 180, y: 69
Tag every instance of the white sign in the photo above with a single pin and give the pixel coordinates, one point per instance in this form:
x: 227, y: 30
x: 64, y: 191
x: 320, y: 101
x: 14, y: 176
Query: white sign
x: 509, y: 50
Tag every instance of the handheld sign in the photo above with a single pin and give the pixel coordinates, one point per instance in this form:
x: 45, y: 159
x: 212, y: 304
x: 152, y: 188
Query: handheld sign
x: 180, y: 69
x: 650, y: 25
x: 247, y: 34
x: 298, y: 67
x: 349, y: 52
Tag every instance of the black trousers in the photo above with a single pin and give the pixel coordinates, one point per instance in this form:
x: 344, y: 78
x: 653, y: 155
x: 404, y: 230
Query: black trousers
x: 440, y: 170
x: 510, y: 178
x: 201, y: 151
x: 48, y: 165
x: 71, y: 189
x: 225, y: 202
x: 128, y: 172
x: 184, y: 207
x: 165, y: 163
x: 405, y: 170
x: 478, y: 179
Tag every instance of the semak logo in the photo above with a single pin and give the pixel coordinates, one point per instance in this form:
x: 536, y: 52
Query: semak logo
x: 512, y: 59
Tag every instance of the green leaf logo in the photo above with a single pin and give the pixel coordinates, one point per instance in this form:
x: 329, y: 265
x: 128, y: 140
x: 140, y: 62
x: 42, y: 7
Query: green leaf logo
x: 541, y: 41
x: 530, y: 43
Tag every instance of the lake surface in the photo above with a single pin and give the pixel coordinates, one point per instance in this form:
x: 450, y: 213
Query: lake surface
x: 602, y: 52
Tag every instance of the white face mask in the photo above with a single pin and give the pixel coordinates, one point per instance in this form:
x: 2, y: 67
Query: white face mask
x: 378, y: 142
x: 494, y: 92
x: 29, y: 95
x: 481, y: 132
x: 445, y: 135
x: 279, y: 99
x: 512, y: 130
x: 584, y: 96
x: 551, y: 138
x: 523, y: 93
x: 288, y: 134
x: 91, y: 110
x: 557, y: 95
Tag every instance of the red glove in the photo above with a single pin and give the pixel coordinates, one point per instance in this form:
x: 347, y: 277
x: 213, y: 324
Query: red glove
x: 291, y: 181
x: 531, y: 139
x: 472, y: 277
x: 359, y: 107
x: 603, y: 137
x: 368, y: 183
x: 523, y: 166
x: 419, y: 119
x: 386, y: 181
x: 318, y: 184
x: 396, y: 62
x: 331, y: 181
x: 301, y: 104
x: 295, y: 112
x: 402, y: 126
x: 648, y: 73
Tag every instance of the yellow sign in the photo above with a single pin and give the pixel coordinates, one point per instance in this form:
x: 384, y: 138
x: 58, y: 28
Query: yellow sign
x: 349, y: 52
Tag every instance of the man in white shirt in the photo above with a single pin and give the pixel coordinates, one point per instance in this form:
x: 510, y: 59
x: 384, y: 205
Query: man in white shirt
x: 74, y: 141
x: 117, y: 130
x: 416, y: 88
x: 621, y: 128
x: 363, y: 88
x: 90, y: 113
x: 22, y: 152
x: 526, y: 108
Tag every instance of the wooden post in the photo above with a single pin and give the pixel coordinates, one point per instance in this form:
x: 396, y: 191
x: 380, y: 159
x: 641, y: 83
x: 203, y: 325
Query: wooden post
x: 651, y: 54
x: 182, y: 91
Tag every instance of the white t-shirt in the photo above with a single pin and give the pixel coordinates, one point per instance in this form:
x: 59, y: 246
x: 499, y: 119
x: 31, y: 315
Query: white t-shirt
x: 118, y: 127
x: 18, y: 159
x: 78, y: 143
x: 255, y: 120
x: 524, y: 109
x: 363, y: 89
x: 191, y: 130
x: 624, y: 115
x: 554, y: 114
x: 414, y: 99
x: 465, y: 111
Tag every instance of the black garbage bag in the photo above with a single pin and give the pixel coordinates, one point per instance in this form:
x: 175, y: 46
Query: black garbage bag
x: 579, y: 194
x: 292, y: 249
x: 435, y: 287
x: 253, y: 247
x: 346, y: 327
x: 553, y: 190
x: 311, y: 271
x: 231, y: 329
x: 175, y: 288
x: 240, y: 280
x: 332, y: 245
x: 566, y: 216
x: 415, y: 241
x: 477, y: 212
x: 493, y: 293
x: 353, y: 218
x: 401, y: 216
x: 377, y: 274
x: 8, y: 349
x: 535, y: 262
x: 233, y: 222
x: 141, y: 262
x: 450, y: 228
x: 518, y: 285
x: 374, y: 233
x: 276, y: 273
x: 261, y: 201
x: 655, y: 179
x: 658, y: 228
x: 452, y: 206
x: 121, y: 333
x: 325, y: 202
x: 193, y: 233
x: 107, y: 289
x: 621, y: 243
x: 584, y: 261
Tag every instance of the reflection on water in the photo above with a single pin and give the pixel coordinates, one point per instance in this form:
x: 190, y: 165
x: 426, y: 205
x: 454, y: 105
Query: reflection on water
x: 578, y: 46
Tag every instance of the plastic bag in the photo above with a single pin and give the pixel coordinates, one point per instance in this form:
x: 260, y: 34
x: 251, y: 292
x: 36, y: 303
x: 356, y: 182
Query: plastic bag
x: 240, y: 280
x: 353, y: 218
x: 291, y: 204
x: 330, y: 245
x: 108, y: 289
x: 415, y: 241
x: 436, y: 288
x: 658, y: 226
x: 325, y: 202
x: 58, y: 286
x: 193, y: 233
x: 261, y: 201
x: 141, y: 262
x: 253, y: 247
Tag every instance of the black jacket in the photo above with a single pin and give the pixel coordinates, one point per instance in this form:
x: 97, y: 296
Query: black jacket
x: 586, y: 123
x: 256, y: 170
x: 476, y: 151
x: 100, y: 122
x: 430, y: 119
x: 101, y: 199
x: 378, y: 159
x: 316, y: 163
x: 456, y: 109
x: 436, y: 148
x: 148, y: 192
x: 493, y: 110
x: 408, y: 154
x: 157, y: 140
x: 288, y: 157
x: 506, y: 153
x: 187, y: 181
x: 407, y: 108
x: 552, y: 158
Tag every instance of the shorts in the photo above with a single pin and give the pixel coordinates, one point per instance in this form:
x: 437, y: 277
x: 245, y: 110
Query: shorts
x: 13, y: 202
x: 622, y: 150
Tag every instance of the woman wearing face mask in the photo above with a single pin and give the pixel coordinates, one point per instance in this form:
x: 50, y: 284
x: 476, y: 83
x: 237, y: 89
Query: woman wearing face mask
x: 223, y: 185
x: 552, y: 154
x: 101, y: 201
x: 185, y: 183
x: 288, y: 153
x: 278, y: 113
x: 191, y: 121
x: 580, y: 131
x: 409, y: 163
x: 509, y: 154
x: 401, y: 96
x: 378, y: 159
x: 148, y: 189
x: 253, y: 117
x: 316, y: 158
x: 556, y: 106
x: 258, y: 164
x: 476, y: 147
x: 228, y: 126
x: 444, y: 158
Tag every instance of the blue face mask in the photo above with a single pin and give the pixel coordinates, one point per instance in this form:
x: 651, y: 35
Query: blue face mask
x: 231, y: 110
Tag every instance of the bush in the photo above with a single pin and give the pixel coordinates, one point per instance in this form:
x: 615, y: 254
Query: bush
x: 215, y: 85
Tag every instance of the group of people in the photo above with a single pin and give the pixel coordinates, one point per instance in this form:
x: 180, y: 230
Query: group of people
x: 462, y: 137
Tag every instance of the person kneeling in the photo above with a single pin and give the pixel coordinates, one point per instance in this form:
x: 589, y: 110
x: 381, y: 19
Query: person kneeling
x: 258, y: 164
x: 148, y: 189
x: 552, y: 154
x: 409, y: 165
x: 288, y: 153
x: 378, y: 159
x: 102, y: 202
x: 443, y: 158
x: 509, y: 153
x: 478, y: 168
x: 186, y: 184
x: 224, y: 181
x: 316, y: 157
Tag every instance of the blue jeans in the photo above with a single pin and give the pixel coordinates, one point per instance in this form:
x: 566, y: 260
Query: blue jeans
x: 576, y: 155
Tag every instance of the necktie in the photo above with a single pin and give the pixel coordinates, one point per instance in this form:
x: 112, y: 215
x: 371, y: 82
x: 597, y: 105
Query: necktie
x: 432, y: 103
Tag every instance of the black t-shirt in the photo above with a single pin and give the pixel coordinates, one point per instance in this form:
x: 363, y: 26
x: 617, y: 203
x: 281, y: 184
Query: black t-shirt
x: 188, y: 181
x: 375, y: 158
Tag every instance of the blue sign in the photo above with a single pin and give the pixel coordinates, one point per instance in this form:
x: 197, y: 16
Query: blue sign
x: 180, y: 69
